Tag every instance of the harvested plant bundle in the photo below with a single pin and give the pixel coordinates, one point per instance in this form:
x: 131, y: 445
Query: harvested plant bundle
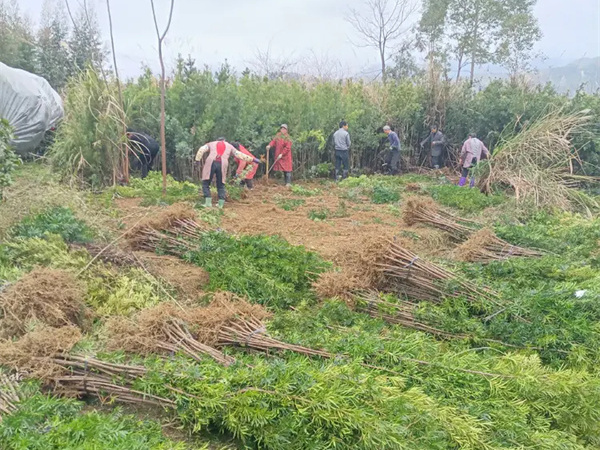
x: 49, y: 296
x: 479, y: 246
x: 416, y: 278
x: 252, y: 333
x: 90, y: 376
x: 400, y: 313
x: 425, y: 210
x: 9, y: 395
x: 163, y: 328
x: 484, y: 247
x: 178, y: 219
x: 538, y: 163
x: 110, y: 255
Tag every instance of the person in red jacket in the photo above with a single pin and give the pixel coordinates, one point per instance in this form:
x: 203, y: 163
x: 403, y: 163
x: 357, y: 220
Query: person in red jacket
x: 283, y: 153
x: 216, y: 165
x: 245, y: 170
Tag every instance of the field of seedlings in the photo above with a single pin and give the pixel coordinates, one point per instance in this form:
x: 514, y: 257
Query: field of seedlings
x: 377, y: 313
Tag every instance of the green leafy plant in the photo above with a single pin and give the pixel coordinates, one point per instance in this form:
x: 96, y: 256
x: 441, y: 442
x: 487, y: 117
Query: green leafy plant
x: 463, y: 198
x: 58, y: 220
x: 305, y: 192
x: 8, y: 159
x: 318, y: 214
x: 290, y: 204
x: 384, y: 194
x: 265, y: 269
x: 47, y: 423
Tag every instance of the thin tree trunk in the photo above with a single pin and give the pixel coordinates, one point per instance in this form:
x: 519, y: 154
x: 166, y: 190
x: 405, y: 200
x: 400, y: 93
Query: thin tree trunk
x: 473, y: 49
x: 124, y: 149
x: 163, y: 139
x: 382, y: 55
x: 460, y: 64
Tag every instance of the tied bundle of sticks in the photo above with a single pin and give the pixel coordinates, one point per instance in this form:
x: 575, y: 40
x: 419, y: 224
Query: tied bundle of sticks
x: 479, y: 245
x: 163, y: 328
x: 168, y: 226
x: 89, y: 376
x: 9, y: 395
x: 484, y: 247
x: 416, y: 278
x: 252, y: 333
x: 425, y: 210
x: 400, y: 313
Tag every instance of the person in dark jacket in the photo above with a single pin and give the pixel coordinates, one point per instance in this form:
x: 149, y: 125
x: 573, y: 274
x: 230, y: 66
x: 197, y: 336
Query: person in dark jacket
x: 144, y: 149
x: 436, y: 142
x: 392, y: 161
x: 341, y: 142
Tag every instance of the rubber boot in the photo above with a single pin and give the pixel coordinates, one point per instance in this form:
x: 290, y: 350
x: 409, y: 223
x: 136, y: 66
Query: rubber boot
x: 463, y: 181
x: 221, y: 204
x: 288, y: 179
x: 337, y: 176
x: 345, y: 175
x: 208, y: 202
x: 472, y: 185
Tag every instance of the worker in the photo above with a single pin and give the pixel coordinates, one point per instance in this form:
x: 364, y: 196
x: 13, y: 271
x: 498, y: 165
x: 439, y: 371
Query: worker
x: 436, y: 141
x: 341, y: 142
x: 245, y: 172
x: 473, y: 151
x: 216, y: 165
x: 392, y: 161
x: 144, y: 148
x: 283, y: 154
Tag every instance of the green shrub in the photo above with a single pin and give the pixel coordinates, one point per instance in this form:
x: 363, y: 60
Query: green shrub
x: 8, y: 159
x: 560, y: 233
x: 305, y: 192
x: 318, y: 214
x: 59, y: 220
x: 290, y: 204
x: 49, y: 251
x: 150, y: 190
x: 384, y: 194
x: 465, y: 199
x: 47, y: 423
x: 124, y: 294
x: 322, y: 170
x: 265, y: 269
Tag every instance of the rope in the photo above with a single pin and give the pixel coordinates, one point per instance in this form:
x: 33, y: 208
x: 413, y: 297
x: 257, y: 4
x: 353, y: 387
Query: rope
x: 257, y: 331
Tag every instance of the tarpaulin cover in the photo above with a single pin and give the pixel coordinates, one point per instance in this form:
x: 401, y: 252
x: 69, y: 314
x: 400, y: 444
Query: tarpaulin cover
x: 30, y: 105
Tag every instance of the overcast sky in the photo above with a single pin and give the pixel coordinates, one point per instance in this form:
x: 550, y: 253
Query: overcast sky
x: 212, y: 31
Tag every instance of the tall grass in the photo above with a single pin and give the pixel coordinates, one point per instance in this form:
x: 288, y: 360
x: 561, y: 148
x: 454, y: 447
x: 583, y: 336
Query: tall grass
x: 87, y: 148
x: 539, y: 162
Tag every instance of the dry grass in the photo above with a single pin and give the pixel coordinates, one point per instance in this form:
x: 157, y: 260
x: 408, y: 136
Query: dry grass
x: 538, y: 163
x: 187, y: 279
x: 33, y: 352
x: 48, y: 296
x: 162, y: 219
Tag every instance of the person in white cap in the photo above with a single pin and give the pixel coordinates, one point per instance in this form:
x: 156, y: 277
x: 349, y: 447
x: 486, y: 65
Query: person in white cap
x: 283, y: 153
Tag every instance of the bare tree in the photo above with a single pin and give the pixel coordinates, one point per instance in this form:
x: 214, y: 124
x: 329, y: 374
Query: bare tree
x: 323, y: 67
x: 383, y: 26
x: 163, y: 139
x: 271, y: 66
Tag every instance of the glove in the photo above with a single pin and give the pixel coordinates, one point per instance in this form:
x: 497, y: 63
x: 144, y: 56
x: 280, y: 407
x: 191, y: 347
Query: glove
x: 235, y: 176
x: 268, y: 147
x: 279, y: 157
x: 256, y: 161
x: 422, y: 146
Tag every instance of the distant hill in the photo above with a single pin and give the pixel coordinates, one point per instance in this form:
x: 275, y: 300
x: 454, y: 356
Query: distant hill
x: 569, y: 78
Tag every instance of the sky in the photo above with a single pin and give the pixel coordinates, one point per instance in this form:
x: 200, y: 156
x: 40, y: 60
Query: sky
x: 296, y: 30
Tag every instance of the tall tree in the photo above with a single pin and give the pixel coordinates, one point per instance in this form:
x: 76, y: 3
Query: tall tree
x: 473, y: 26
x: 383, y: 26
x: 17, y: 46
x: 86, y: 39
x: 52, y: 47
x: 518, y: 32
x: 161, y: 38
